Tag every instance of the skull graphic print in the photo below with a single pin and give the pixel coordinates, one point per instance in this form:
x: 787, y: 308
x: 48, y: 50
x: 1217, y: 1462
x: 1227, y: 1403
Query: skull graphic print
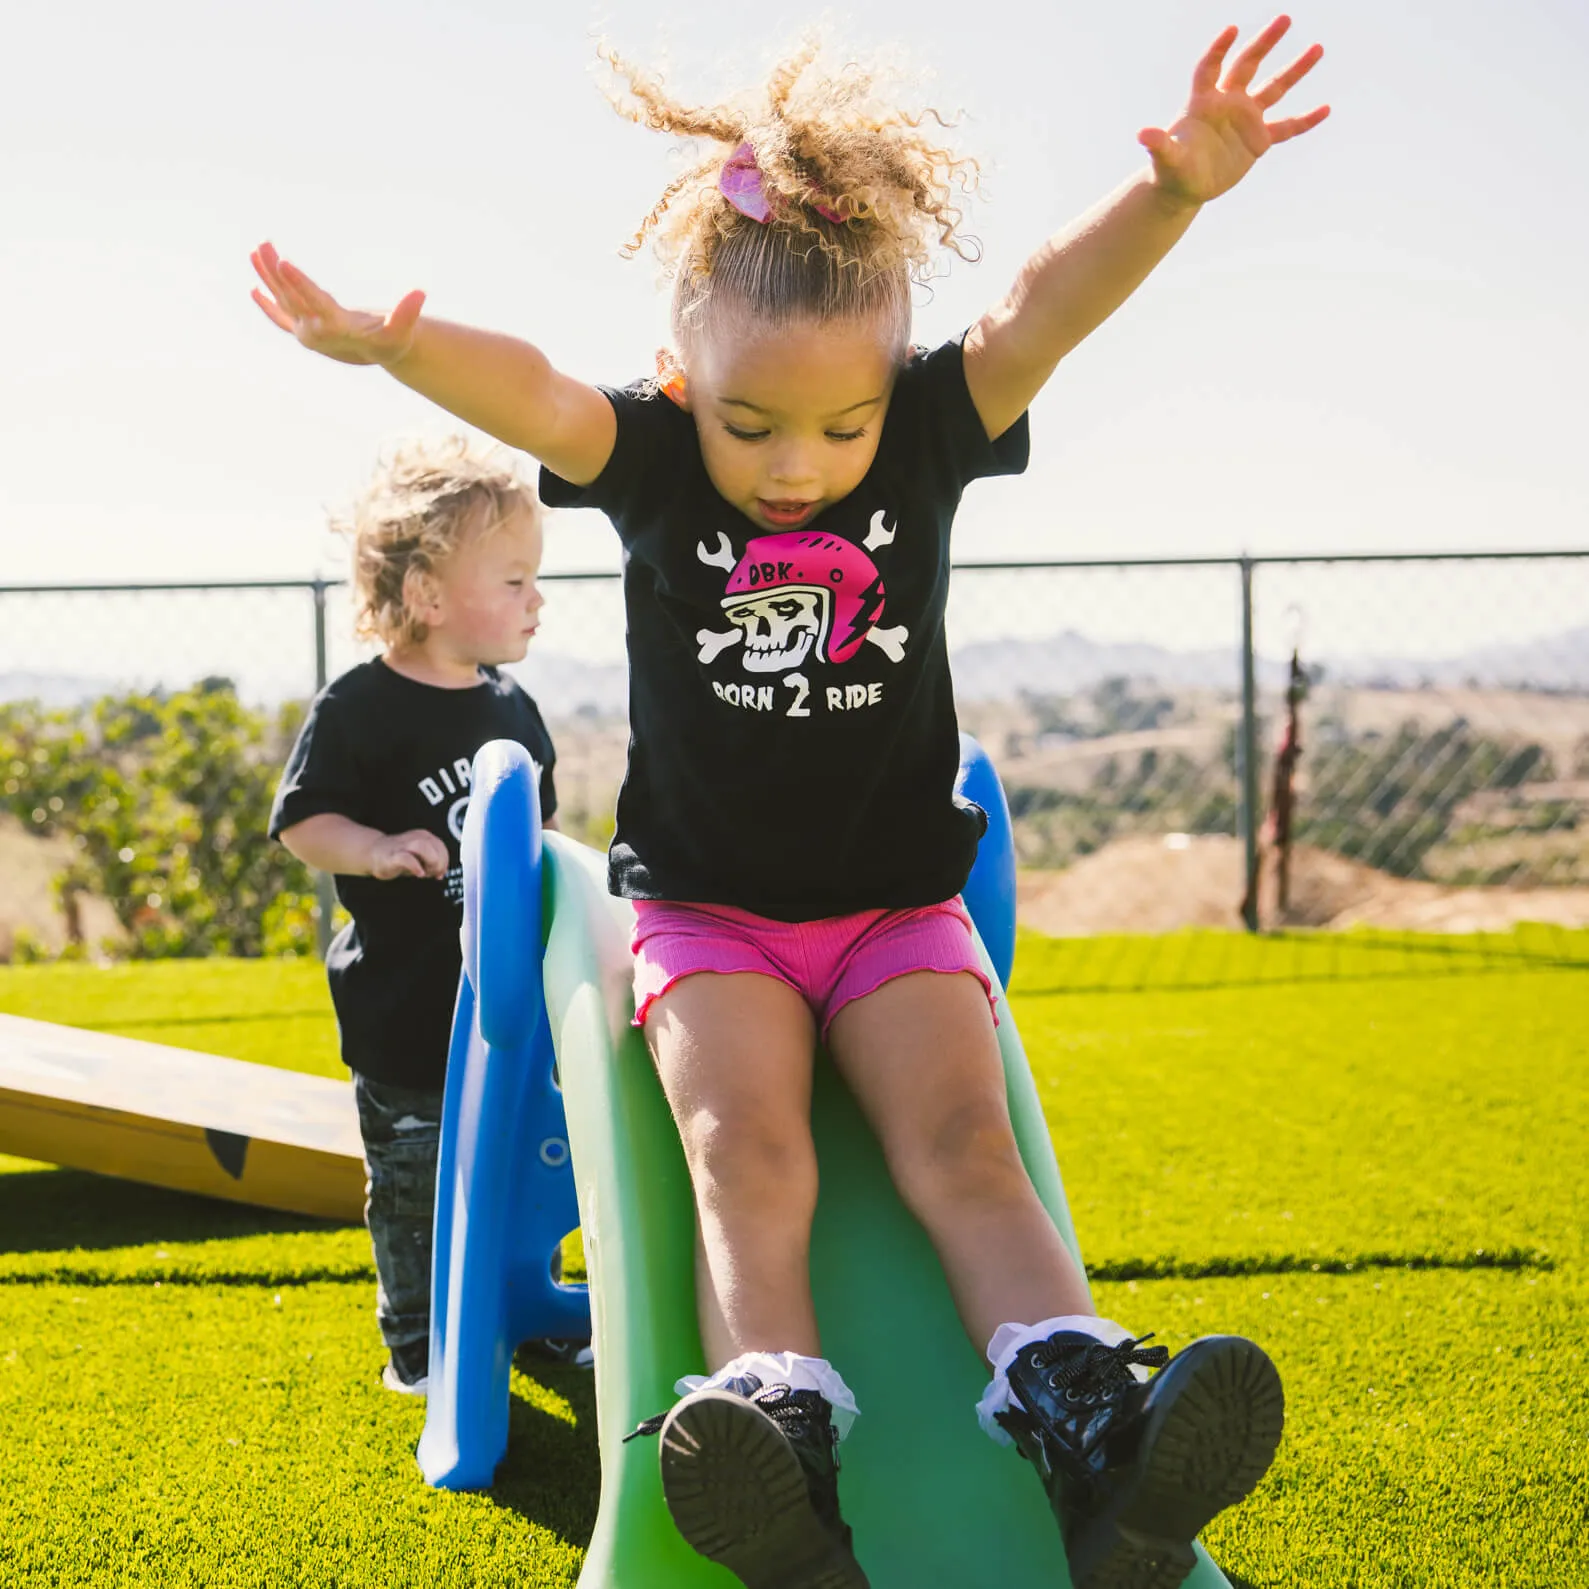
x: 797, y: 596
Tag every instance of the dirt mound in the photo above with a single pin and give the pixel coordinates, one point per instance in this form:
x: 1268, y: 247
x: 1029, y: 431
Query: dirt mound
x: 28, y: 869
x: 1157, y: 884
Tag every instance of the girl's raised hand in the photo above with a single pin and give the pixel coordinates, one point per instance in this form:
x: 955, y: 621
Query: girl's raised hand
x: 1223, y: 130
x: 352, y: 336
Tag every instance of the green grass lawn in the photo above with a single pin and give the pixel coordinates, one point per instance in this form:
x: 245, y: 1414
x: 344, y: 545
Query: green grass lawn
x: 274, y: 1012
x: 1371, y: 1161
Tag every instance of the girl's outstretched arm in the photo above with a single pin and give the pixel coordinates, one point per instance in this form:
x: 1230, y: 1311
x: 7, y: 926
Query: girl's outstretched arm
x: 505, y: 387
x: 1079, y: 278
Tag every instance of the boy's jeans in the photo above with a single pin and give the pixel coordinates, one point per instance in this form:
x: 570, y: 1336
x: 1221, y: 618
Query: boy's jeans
x: 401, y: 1127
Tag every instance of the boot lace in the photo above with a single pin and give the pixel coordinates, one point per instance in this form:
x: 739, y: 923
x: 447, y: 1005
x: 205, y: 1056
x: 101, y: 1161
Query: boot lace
x: 790, y: 1409
x: 746, y: 1385
x: 1099, y: 1371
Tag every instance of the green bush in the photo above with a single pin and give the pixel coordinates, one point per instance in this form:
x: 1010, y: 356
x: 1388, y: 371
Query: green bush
x: 1143, y: 791
x: 1392, y: 801
x: 165, y: 799
x: 1388, y: 800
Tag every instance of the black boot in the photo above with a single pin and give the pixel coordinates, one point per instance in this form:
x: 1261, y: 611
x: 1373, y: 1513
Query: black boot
x: 1135, y: 1469
x: 750, y: 1474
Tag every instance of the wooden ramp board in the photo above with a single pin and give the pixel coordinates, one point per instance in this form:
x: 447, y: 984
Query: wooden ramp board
x: 172, y: 1117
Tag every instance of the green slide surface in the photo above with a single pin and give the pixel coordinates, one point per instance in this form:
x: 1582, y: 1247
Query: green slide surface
x: 932, y: 1500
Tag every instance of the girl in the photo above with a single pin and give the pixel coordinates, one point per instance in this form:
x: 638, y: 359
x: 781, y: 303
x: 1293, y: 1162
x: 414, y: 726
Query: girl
x: 787, y: 828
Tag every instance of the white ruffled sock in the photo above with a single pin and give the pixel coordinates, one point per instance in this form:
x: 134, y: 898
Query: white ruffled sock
x: 784, y: 1368
x: 1008, y: 1340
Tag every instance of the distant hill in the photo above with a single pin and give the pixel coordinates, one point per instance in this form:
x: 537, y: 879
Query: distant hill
x: 1554, y: 662
x: 1069, y: 662
x: 53, y: 690
x: 1061, y: 664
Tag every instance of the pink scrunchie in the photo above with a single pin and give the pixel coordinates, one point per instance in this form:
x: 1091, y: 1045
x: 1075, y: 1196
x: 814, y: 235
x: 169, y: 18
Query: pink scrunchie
x: 740, y: 183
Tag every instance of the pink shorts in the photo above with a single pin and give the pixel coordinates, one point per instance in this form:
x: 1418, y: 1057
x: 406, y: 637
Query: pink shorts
x: 827, y: 962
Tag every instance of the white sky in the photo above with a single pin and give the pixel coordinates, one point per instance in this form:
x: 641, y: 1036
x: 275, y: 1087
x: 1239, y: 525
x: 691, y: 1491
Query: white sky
x: 1378, y: 341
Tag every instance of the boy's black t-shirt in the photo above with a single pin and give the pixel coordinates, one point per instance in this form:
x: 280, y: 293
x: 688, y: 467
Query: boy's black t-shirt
x: 793, y: 744
x: 395, y: 755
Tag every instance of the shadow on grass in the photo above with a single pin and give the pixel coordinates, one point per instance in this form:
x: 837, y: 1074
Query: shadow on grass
x: 1204, y: 962
x: 53, y: 1210
x: 551, y: 1475
x: 1147, y: 982
x: 1237, y: 1266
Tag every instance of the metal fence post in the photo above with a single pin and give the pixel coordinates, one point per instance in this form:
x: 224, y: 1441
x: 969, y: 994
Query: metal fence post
x: 325, y: 886
x: 1247, y: 750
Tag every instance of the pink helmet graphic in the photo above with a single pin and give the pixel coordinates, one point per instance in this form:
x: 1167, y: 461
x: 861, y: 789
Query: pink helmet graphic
x: 800, y: 591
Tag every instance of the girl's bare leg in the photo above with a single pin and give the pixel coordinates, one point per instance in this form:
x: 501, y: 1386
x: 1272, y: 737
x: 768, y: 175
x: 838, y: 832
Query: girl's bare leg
x: 734, y: 1054
x: 922, y: 1059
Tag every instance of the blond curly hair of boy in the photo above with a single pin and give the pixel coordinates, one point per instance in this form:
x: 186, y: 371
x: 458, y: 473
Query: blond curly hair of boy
x: 423, y: 502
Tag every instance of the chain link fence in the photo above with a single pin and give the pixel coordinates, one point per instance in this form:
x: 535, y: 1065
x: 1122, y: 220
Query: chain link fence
x: 1397, y: 744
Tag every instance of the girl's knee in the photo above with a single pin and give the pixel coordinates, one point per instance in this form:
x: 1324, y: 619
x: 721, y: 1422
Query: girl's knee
x: 966, y: 1155
x: 751, y: 1160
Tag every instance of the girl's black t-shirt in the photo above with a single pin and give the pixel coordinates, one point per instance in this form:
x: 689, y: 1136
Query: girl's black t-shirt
x: 396, y: 754
x: 793, y: 742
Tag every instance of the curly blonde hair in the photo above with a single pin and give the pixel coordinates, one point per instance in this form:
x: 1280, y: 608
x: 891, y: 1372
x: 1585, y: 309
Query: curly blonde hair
x: 822, y: 141
x: 423, y: 502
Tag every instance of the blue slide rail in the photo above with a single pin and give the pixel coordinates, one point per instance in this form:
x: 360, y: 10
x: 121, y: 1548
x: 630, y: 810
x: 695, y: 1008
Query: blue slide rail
x: 504, y: 1184
x: 990, y: 890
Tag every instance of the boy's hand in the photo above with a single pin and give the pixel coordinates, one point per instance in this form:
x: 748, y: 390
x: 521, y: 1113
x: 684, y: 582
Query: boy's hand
x: 351, y: 336
x: 1222, y: 131
x: 417, y: 853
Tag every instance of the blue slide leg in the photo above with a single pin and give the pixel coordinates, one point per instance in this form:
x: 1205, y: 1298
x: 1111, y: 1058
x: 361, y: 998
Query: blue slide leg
x: 504, y: 1185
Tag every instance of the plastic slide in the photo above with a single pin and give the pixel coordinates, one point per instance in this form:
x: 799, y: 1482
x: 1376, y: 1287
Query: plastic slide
x: 931, y: 1498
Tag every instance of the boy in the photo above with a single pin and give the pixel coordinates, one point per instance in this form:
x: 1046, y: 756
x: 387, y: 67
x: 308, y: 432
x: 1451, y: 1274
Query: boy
x: 446, y: 547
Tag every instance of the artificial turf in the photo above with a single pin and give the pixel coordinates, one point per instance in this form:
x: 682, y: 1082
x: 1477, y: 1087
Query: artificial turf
x: 1378, y: 1174
x: 274, y: 1012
